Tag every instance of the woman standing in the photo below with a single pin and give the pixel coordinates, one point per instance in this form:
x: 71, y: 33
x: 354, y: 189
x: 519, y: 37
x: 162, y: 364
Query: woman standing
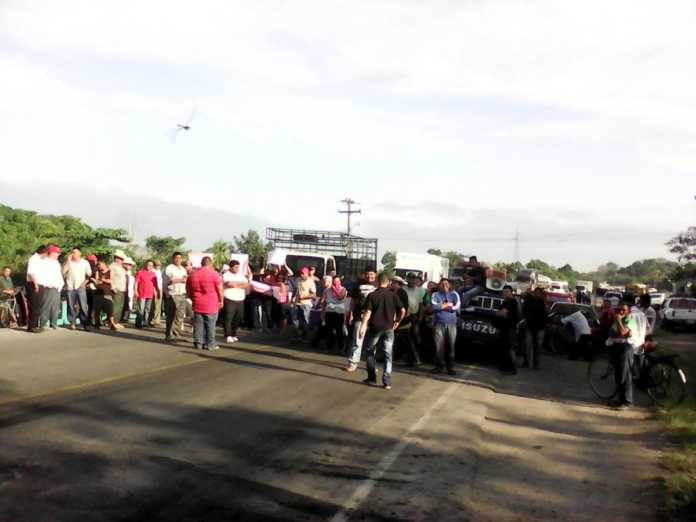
x: 333, y: 313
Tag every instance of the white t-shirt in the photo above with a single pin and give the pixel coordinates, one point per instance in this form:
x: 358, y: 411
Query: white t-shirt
x: 580, y: 324
x: 415, y: 298
x: 77, y: 273
x: 158, y: 275
x: 175, y: 272
x: 33, y: 266
x: 637, y: 339
x: 234, y: 294
x: 49, y: 274
x: 651, y: 316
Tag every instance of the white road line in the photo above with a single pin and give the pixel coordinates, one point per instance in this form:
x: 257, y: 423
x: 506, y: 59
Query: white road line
x: 362, y: 491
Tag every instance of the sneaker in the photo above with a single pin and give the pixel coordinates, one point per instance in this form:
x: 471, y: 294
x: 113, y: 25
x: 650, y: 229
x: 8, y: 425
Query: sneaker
x: 387, y: 386
x: 229, y: 339
x: 71, y: 327
x: 369, y: 382
x: 211, y: 348
x: 350, y: 368
x: 195, y: 346
x: 235, y: 339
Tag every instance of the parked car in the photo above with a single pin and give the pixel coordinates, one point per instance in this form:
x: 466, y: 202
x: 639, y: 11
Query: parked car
x: 679, y: 312
x: 657, y: 299
x: 557, y: 336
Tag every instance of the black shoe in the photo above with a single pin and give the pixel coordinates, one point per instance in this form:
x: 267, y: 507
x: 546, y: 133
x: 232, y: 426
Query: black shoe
x: 451, y: 371
x: 437, y: 369
x: 369, y: 382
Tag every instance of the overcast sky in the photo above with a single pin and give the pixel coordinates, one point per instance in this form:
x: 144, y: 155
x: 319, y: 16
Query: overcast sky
x: 453, y: 123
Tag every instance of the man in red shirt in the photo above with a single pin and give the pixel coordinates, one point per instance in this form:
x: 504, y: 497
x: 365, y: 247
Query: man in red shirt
x: 204, y: 289
x: 146, y: 289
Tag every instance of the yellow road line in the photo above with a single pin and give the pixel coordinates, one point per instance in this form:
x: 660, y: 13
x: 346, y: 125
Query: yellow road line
x: 99, y: 382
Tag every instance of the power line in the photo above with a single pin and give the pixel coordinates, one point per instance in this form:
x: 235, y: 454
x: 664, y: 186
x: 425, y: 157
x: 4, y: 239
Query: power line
x: 349, y: 211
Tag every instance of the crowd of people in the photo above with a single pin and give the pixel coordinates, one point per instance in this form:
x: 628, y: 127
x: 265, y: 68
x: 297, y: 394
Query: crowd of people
x: 404, y: 318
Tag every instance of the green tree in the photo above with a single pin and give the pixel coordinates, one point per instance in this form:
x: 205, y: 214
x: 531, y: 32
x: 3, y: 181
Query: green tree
x: 252, y: 245
x: 221, y: 250
x: 162, y: 247
x: 389, y: 261
x: 22, y: 231
x: 684, y: 245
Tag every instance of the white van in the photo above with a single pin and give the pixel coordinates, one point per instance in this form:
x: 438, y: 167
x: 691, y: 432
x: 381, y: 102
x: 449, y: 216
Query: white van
x: 324, y: 263
x: 429, y: 267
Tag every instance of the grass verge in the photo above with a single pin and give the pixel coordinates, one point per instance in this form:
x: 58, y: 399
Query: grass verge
x: 679, y: 460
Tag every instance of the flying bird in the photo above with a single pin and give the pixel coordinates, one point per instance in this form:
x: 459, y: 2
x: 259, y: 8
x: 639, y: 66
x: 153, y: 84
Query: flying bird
x: 183, y: 126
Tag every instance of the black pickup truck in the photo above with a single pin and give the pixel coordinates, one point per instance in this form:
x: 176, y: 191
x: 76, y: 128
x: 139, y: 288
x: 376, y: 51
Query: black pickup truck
x: 477, y: 333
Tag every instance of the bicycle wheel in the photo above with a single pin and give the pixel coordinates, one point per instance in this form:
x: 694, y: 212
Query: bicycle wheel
x: 600, y: 374
x: 666, y: 384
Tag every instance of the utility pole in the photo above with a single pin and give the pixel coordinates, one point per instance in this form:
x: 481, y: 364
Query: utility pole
x: 349, y: 211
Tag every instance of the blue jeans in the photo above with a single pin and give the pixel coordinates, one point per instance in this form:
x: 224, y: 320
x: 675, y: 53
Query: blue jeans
x: 445, y: 356
x: 355, y: 350
x: 143, y: 314
x: 204, y: 329
x: 79, y: 297
x: 388, y: 336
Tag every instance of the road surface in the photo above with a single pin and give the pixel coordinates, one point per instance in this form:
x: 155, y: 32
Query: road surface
x: 121, y: 427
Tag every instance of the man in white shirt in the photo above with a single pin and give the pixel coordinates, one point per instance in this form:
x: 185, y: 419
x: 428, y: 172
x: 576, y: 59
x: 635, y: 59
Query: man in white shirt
x: 156, y: 310
x: 50, y: 278
x: 174, y: 282
x: 77, y: 272
x: 234, y: 290
x: 650, y: 313
x: 582, y: 331
x: 34, y: 291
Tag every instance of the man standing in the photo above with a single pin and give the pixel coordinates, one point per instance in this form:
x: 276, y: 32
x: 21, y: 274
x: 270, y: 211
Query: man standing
x: 235, y: 284
x: 129, y: 300
x: 119, y: 287
x: 403, y: 339
x: 445, y: 306
x: 366, y: 285
x: 304, y: 300
x: 508, y: 317
x: 535, y: 315
x: 77, y: 272
x: 415, y: 292
x: 156, y: 310
x: 34, y: 291
x: 626, y: 337
x: 175, y: 302
x: 649, y: 312
x: 383, y: 312
x: 7, y: 294
x: 205, y: 291
x: 145, y: 290
x: 50, y: 278
x: 582, y: 335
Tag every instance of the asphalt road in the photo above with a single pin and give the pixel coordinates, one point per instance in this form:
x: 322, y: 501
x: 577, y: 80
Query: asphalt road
x: 124, y: 427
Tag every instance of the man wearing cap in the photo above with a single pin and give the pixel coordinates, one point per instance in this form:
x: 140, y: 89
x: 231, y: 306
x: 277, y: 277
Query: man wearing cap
x: 77, y: 271
x: 119, y: 286
x: 304, y: 300
x: 34, y: 291
x: 50, y: 278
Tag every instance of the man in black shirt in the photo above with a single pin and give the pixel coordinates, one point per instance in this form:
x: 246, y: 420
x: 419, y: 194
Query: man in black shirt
x: 383, y: 311
x: 535, y: 316
x: 508, y: 317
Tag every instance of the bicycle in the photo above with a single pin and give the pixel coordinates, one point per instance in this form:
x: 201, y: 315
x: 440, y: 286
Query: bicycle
x: 657, y: 375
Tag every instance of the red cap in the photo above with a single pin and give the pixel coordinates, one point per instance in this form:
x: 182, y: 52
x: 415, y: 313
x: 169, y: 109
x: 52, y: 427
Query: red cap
x: 92, y: 257
x: 53, y: 249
